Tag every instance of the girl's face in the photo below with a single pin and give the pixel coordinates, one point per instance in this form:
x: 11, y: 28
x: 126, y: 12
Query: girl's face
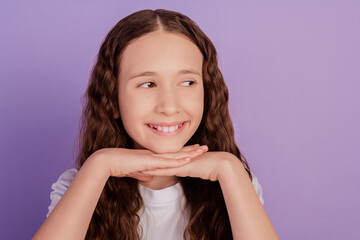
x: 160, y: 84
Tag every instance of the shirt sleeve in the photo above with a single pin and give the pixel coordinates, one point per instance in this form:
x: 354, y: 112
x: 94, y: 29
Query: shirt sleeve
x: 60, y: 187
x: 257, y: 187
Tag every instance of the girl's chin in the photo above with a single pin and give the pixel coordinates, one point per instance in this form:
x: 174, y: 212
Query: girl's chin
x: 160, y: 149
x: 165, y: 149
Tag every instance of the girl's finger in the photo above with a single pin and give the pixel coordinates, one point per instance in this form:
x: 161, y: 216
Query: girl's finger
x: 140, y: 176
x: 165, y: 172
x: 160, y: 162
x: 194, y: 147
x: 189, y: 148
x: 196, y: 151
x: 172, y: 160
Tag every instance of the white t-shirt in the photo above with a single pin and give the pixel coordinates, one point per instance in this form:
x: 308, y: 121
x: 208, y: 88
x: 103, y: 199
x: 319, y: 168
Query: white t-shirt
x: 163, y: 215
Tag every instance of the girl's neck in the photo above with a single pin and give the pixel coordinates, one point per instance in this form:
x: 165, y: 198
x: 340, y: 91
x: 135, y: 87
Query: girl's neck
x: 160, y: 182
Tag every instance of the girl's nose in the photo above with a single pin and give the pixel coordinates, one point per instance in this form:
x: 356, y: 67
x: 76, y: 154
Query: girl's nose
x: 167, y: 102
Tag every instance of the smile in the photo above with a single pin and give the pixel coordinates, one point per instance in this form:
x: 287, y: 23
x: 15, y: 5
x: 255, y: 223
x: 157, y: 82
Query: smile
x: 166, y: 130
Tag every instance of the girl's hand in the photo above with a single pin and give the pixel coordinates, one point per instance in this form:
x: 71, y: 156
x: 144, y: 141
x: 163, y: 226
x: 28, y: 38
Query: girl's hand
x: 146, y: 177
x: 123, y: 162
x: 205, y: 166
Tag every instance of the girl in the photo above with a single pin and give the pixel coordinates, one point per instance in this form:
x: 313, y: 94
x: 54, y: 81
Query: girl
x: 155, y: 94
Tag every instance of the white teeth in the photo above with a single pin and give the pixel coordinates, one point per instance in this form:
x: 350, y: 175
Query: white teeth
x: 166, y: 129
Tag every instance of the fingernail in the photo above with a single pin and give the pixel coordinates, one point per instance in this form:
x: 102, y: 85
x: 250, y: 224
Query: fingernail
x: 199, y: 150
x: 204, y: 147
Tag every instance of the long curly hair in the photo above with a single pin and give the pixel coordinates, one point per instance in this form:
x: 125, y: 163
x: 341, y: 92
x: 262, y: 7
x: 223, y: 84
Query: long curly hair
x: 116, y: 214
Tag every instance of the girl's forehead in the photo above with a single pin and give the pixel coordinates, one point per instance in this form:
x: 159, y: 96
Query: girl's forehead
x: 160, y: 52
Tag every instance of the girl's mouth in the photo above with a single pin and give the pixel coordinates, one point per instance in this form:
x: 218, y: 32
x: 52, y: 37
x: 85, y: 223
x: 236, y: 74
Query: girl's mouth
x: 166, y: 130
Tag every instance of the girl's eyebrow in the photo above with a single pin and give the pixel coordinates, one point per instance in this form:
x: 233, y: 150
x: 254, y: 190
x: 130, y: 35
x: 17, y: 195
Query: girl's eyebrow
x: 184, y: 71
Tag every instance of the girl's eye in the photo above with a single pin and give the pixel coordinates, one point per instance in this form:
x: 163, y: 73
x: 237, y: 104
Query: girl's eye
x: 147, y: 84
x: 189, y: 83
x: 151, y: 84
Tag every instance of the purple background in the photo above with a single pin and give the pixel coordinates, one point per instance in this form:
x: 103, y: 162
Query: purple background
x: 293, y: 71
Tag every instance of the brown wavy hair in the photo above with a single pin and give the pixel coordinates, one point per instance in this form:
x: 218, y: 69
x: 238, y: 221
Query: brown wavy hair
x: 116, y: 214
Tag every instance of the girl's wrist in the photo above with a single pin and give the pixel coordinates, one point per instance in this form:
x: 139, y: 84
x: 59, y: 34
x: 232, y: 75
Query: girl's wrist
x: 100, y: 162
x: 228, y: 165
